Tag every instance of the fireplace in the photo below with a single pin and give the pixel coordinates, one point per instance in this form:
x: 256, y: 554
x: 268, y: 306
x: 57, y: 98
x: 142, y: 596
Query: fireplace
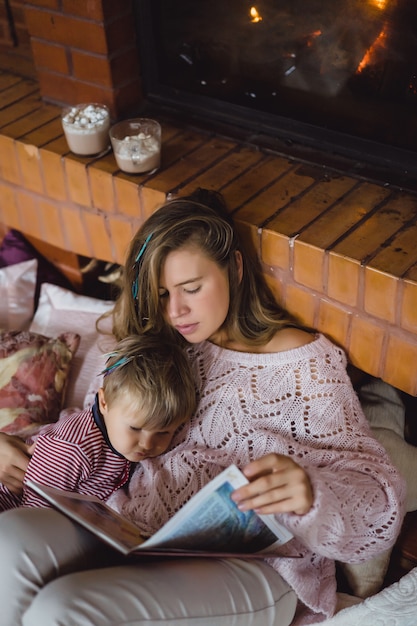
x: 336, y: 77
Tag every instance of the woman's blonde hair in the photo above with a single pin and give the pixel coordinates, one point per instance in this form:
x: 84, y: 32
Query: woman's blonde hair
x: 157, y: 378
x: 201, y: 221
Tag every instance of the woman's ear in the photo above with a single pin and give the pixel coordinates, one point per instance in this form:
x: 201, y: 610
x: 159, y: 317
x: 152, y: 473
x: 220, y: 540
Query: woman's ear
x: 239, y: 264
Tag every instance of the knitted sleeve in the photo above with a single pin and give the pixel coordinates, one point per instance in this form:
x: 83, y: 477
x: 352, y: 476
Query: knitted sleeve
x: 358, y: 494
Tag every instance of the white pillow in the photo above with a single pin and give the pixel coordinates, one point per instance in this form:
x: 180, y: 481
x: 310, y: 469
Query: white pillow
x: 17, y: 294
x: 62, y: 310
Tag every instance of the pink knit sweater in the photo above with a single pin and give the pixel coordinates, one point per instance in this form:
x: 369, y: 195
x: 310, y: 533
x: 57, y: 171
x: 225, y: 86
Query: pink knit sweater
x: 300, y: 403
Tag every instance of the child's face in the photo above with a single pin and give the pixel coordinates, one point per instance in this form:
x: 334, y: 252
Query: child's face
x: 125, y: 432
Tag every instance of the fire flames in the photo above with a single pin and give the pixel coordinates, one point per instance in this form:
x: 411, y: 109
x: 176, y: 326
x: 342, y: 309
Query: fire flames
x: 254, y: 15
x: 379, y: 4
x: 373, y: 50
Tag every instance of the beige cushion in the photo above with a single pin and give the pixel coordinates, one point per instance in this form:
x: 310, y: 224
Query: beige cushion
x: 385, y: 411
x: 17, y: 294
x: 60, y: 309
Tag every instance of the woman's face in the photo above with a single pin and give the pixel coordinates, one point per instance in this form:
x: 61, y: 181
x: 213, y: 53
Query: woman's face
x: 194, y: 294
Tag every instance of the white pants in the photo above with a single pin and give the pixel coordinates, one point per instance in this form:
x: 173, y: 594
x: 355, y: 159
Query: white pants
x: 53, y: 573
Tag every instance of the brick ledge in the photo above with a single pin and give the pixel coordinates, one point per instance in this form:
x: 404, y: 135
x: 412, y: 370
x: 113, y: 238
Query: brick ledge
x: 339, y: 251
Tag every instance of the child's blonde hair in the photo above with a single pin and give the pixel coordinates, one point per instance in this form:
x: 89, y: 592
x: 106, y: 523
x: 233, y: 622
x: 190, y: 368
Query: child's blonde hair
x: 157, y: 378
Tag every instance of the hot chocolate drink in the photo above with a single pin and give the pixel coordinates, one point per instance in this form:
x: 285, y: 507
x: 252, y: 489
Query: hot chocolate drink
x: 86, y: 128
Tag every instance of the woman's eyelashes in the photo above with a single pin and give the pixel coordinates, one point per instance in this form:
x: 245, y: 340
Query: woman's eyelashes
x: 193, y: 289
x: 163, y: 293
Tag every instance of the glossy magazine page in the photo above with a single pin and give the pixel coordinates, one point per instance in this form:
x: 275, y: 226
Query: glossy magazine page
x: 209, y: 523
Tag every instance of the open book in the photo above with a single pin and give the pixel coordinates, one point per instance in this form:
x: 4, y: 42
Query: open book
x: 209, y: 524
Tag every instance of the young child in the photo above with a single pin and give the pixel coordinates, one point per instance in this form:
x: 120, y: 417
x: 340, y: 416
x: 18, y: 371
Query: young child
x: 147, y: 392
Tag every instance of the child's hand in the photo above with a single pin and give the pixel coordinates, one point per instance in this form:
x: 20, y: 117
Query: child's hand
x: 14, y: 459
x: 277, y: 485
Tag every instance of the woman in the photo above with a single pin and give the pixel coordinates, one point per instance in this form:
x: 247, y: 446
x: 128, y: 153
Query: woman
x: 274, y: 398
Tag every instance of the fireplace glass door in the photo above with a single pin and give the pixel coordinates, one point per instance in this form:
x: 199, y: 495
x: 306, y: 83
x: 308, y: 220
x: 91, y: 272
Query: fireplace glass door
x: 340, y: 73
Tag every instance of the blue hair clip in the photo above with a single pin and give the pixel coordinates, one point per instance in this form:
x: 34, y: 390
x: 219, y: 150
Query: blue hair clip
x: 137, y: 259
x: 122, y: 361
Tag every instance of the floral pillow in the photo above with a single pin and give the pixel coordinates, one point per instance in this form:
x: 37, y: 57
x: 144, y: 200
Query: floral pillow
x: 33, y: 377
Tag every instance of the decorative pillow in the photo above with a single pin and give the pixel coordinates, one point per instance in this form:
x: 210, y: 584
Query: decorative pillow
x: 17, y: 295
x: 60, y: 309
x: 15, y: 248
x: 33, y: 375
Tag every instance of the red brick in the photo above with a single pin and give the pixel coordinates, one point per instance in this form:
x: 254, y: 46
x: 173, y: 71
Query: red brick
x: 93, y: 9
x: 101, y: 185
x: 344, y: 216
x: 48, y: 4
x: 121, y: 233
x: 9, y: 166
x: 334, y: 321
x: 127, y: 98
x: 224, y: 172
x: 301, y: 303
x: 91, y: 68
x: 77, y: 180
x: 50, y: 56
x: 57, y: 28
x: 8, y: 206
x: 309, y: 265
x: 125, y: 67
x: 150, y: 200
x: 127, y: 197
x: 400, y: 366
x: 51, y: 224
x: 8, y: 80
x: 366, y: 345
x: 22, y: 35
x: 190, y: 166
x: 44, y: 134
x: 22, y: 89
x: 29, y: 161
x: 289, y: 184
x: 75, y: 231
x: 21, y: 108
x: 249, y: 184
x: 29, y: 214
x: 343, y: 279
x: 120, y: 33
x: 96, y: 9
x: 53, y: 174
x: 31, y: 122
x: 97, y: 232
x: 275, y: 249
x: 67, y: 90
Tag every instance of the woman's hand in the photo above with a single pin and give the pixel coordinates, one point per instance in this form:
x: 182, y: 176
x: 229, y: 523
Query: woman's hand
x: 14, y: 459
x: 277, y: 485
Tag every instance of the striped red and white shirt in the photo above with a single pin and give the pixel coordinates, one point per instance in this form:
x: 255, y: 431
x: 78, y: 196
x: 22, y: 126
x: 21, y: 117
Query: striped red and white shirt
x: 73, y: 454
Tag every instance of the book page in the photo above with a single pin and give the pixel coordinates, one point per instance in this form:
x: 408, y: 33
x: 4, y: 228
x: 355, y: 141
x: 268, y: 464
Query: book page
x: 94, y: 515
x: 210, y: 522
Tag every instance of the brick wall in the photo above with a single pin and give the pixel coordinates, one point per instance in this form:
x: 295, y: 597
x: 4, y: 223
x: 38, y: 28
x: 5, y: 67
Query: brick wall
x: 13, y: 30
x: 85, y: 51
